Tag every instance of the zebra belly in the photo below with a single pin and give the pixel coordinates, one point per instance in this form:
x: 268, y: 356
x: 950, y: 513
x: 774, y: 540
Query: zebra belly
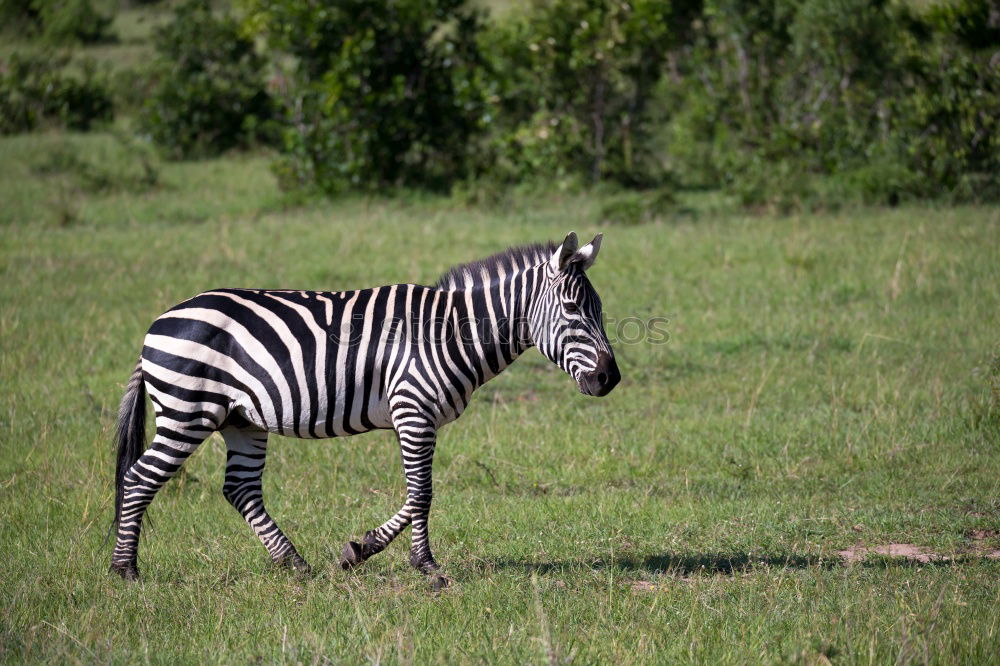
x: 353, y: 410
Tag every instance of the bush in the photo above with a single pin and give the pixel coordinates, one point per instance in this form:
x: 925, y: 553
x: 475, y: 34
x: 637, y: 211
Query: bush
x: 19, y: 17
x: 67, y: 21
x: 131, y: 89
x: 60, y: 21
x: 573, y: 81
x: 382, y: 92
x: 633, y: 208
x: 124, y: 166
x: 786, y: 104
x: 884, y: 102
x: 946, y: 120
x: 36, y: 91
x: 208, y: 93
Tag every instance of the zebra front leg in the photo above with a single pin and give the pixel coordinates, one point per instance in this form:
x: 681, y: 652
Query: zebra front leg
x: 418, y: 458
x: 171, y: 446
x: 245, y: 455
x: 416, y: 442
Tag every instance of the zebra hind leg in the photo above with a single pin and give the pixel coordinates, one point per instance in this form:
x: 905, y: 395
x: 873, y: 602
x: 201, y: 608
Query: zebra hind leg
x: 245, y: 453
x: 171, y: 446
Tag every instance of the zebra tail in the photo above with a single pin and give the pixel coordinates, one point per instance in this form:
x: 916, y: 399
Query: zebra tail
x: 130, y: 434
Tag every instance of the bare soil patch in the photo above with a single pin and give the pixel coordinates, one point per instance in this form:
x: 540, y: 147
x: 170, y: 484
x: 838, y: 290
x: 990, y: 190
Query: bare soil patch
x: 908, y: 551
x: 983, y: 535
x: 980, y: 546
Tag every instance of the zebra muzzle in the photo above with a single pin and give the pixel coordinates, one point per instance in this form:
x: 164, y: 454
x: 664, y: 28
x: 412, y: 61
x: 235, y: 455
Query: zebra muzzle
x: 602, y: 379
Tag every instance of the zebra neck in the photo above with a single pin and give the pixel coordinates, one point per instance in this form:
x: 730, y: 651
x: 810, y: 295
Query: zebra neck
x: 491, y: 319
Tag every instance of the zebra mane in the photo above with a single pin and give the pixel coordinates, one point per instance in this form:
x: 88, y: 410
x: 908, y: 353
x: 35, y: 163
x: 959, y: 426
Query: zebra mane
x: 532, y: 255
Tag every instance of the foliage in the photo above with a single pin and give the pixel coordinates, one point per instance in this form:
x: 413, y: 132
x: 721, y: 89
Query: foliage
x: 134, y: 170
x: 19, y: 16
x: 74, y: 21
x: 630, y: 208
x: 949, y: 118
x: 790, y: 101
x: 573, y: 84
x: 208, y: 93
x: 61, y: 21
x: 786, y: 104
x: 383, y: 92
x: 37, y: 91
x: 132, y: 87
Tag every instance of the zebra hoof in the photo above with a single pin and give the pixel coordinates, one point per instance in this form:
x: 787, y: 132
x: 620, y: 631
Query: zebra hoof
x: 352, y: 555
x: 424, y: 564
x: 296, y: 563
x: 127, y: 570
x: 439, y: 582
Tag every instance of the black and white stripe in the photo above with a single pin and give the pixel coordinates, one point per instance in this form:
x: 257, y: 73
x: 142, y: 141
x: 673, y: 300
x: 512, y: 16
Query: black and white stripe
x: 249, y: 362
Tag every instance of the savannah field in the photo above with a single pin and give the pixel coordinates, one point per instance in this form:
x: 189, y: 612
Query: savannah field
x: 829, y: 388
x: 804, y: 469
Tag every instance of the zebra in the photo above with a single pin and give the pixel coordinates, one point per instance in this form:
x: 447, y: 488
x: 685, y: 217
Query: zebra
x: 307, y: 364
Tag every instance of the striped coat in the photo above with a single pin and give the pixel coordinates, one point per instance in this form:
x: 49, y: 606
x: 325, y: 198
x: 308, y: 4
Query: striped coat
x: 306, y: 364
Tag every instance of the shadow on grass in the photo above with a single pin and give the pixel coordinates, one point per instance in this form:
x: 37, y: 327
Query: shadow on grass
x: 727, y: 564
x: 708, y: 564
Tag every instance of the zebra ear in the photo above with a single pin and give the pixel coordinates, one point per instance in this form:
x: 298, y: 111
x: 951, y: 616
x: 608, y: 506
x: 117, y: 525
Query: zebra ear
x: 564, y: 253
x: 586, y: 255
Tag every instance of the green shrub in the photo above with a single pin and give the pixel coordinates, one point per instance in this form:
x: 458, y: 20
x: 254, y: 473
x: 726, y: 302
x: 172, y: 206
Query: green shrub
x: 947, y: 124
x: 36, y: 91
x: 808, y: 103
x: 786, y: 104
x: 208, y: 92
x: 633, y: 208
x: 381, y: 92
x: 19, y: 17
x: 573, y: 81
x: 124, y: 166
x: 67, y: 21
x: 59, y: 21
x: 131, y: 87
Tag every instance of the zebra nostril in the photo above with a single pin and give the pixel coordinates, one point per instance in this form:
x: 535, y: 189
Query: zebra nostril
x: 602, y: 378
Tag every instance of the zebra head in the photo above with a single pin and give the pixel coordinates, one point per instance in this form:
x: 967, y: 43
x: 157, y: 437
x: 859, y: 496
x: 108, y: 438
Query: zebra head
x: 566, y: 322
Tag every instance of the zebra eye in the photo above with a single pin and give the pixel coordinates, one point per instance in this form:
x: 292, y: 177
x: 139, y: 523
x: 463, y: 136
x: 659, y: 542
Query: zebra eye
x: 571, y: 308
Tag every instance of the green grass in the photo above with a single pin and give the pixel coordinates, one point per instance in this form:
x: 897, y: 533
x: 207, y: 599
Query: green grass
x: 826, y: 381
x: 66, y: 179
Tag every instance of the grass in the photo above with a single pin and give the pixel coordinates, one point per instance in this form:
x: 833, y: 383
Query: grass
x: 101, y: 179
x: 826, y: 382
